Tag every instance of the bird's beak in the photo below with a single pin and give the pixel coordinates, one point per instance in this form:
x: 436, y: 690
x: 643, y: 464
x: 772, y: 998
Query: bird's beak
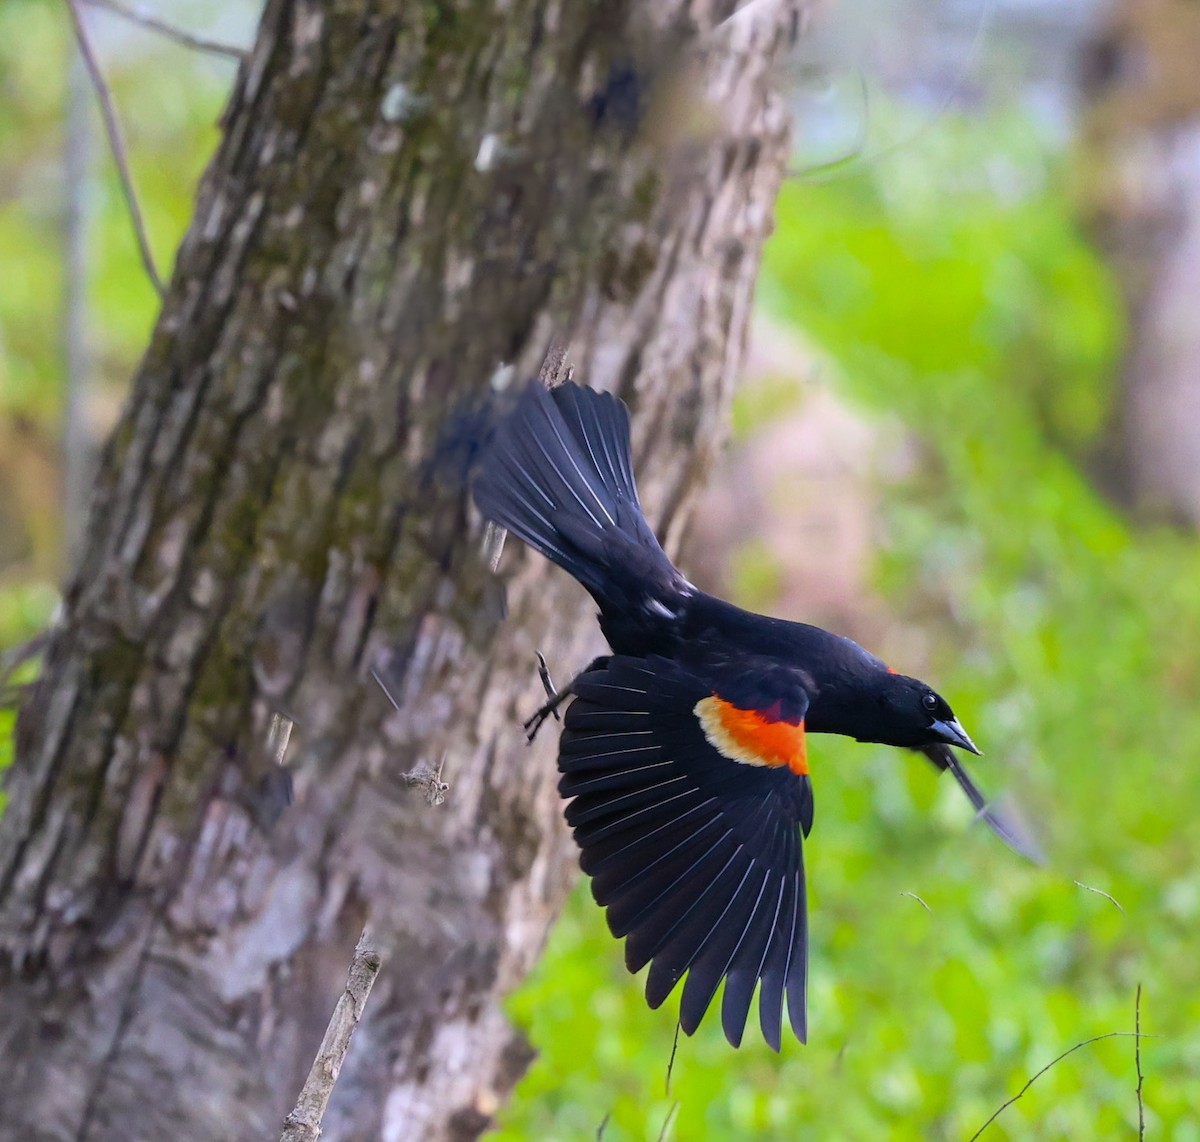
x: 953, y: 734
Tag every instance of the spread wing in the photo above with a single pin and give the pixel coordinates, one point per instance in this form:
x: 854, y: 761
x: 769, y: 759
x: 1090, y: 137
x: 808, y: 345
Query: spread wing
x: 687, y: 809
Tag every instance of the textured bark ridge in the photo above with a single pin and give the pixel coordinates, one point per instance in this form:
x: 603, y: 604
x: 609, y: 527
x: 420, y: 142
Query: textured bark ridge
x: 410, y: 198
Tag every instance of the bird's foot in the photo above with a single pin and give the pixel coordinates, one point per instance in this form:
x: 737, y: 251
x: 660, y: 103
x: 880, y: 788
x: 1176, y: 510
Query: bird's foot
x: 555, y: 698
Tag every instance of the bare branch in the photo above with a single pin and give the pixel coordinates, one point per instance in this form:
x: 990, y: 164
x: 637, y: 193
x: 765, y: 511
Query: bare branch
x: 1099, y: 892
x: 671, y: 1061
x: 116, y: 142
x: 668, y: 1120
x: 1053, y: 1063
x: 76, y: 445
x: 921, y: 902
x: 842, y: 165
x: 304, y: 1122
x: 1137, y: 1061
x: 23, y: 652
x: 11, y: 695
x: 421, y: 775
x: 154, y: 24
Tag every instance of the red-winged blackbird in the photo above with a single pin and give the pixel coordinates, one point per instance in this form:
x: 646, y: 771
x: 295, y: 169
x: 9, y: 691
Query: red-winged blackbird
x: 683, y: 752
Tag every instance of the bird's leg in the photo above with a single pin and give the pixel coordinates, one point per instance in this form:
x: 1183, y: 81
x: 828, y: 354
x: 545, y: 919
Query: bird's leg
x: 548, y: 683
x: 554, y: 698
x: 534, y: 723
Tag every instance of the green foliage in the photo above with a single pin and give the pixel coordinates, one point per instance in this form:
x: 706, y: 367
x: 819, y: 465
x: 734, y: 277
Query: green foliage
x: 949, y: 287
x: 168, y: 99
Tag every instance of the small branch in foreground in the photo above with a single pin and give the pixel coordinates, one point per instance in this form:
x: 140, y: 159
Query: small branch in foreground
x: 16, y: 656
x: 921, y: 902
x: 1137, y: 1061
x: 116, y: 142
x: 1053, y: 1063
x: 1099, y: 892
x: 671, y: 1061
x: 662, y: 1134
x: 304, y: 1122
x: 12, y: 694
x: 152, y: 23
x: 669, y: 1119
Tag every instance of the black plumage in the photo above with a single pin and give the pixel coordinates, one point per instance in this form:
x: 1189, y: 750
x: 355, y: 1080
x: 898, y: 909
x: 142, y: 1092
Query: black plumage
x: 688, y: 852
x: 683, y: 754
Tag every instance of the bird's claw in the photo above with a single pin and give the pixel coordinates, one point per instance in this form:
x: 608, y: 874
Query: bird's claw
x: 554, y: 699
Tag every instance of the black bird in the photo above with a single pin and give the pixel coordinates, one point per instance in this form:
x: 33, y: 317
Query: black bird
x: 683, y: 753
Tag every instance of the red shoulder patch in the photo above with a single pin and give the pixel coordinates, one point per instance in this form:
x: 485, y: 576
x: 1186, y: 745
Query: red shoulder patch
x: 753, y: 737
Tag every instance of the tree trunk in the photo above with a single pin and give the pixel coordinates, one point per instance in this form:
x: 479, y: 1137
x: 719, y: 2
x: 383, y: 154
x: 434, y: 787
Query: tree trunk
x: 409, y: 200
x: 1143, y: 145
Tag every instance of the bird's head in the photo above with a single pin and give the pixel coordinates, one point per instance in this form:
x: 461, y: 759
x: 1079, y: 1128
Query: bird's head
x: 915, y: 715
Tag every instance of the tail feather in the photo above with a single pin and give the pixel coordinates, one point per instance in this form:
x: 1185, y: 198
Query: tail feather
x: 558, y: 474
x: 600, y: 423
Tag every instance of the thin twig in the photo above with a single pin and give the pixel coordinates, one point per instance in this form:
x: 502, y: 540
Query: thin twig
x: 304, y: 1122
x: 430, y: 780
x: 1099, y: 892
x: 11, y: 695
x: 835, y: 168
x: 1137, y: 1061
x: 602, y: 1127
x: 383, y: 686
x: 76, y: 445
x: 671, y: 1061
x: 22, y: 653
x: 116, y: 142
x: 669, y: 1119
x: 1053, y: 1062
x: 856, y: 148
x: 154, y: 24
x: 919, y: 901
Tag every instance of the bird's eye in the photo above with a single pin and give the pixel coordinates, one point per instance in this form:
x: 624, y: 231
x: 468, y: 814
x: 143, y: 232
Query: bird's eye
x: 929, y: 702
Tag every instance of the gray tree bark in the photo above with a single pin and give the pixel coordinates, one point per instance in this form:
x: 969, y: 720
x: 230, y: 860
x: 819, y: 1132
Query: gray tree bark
x: 1143, y: 144
x: 409, y: 200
